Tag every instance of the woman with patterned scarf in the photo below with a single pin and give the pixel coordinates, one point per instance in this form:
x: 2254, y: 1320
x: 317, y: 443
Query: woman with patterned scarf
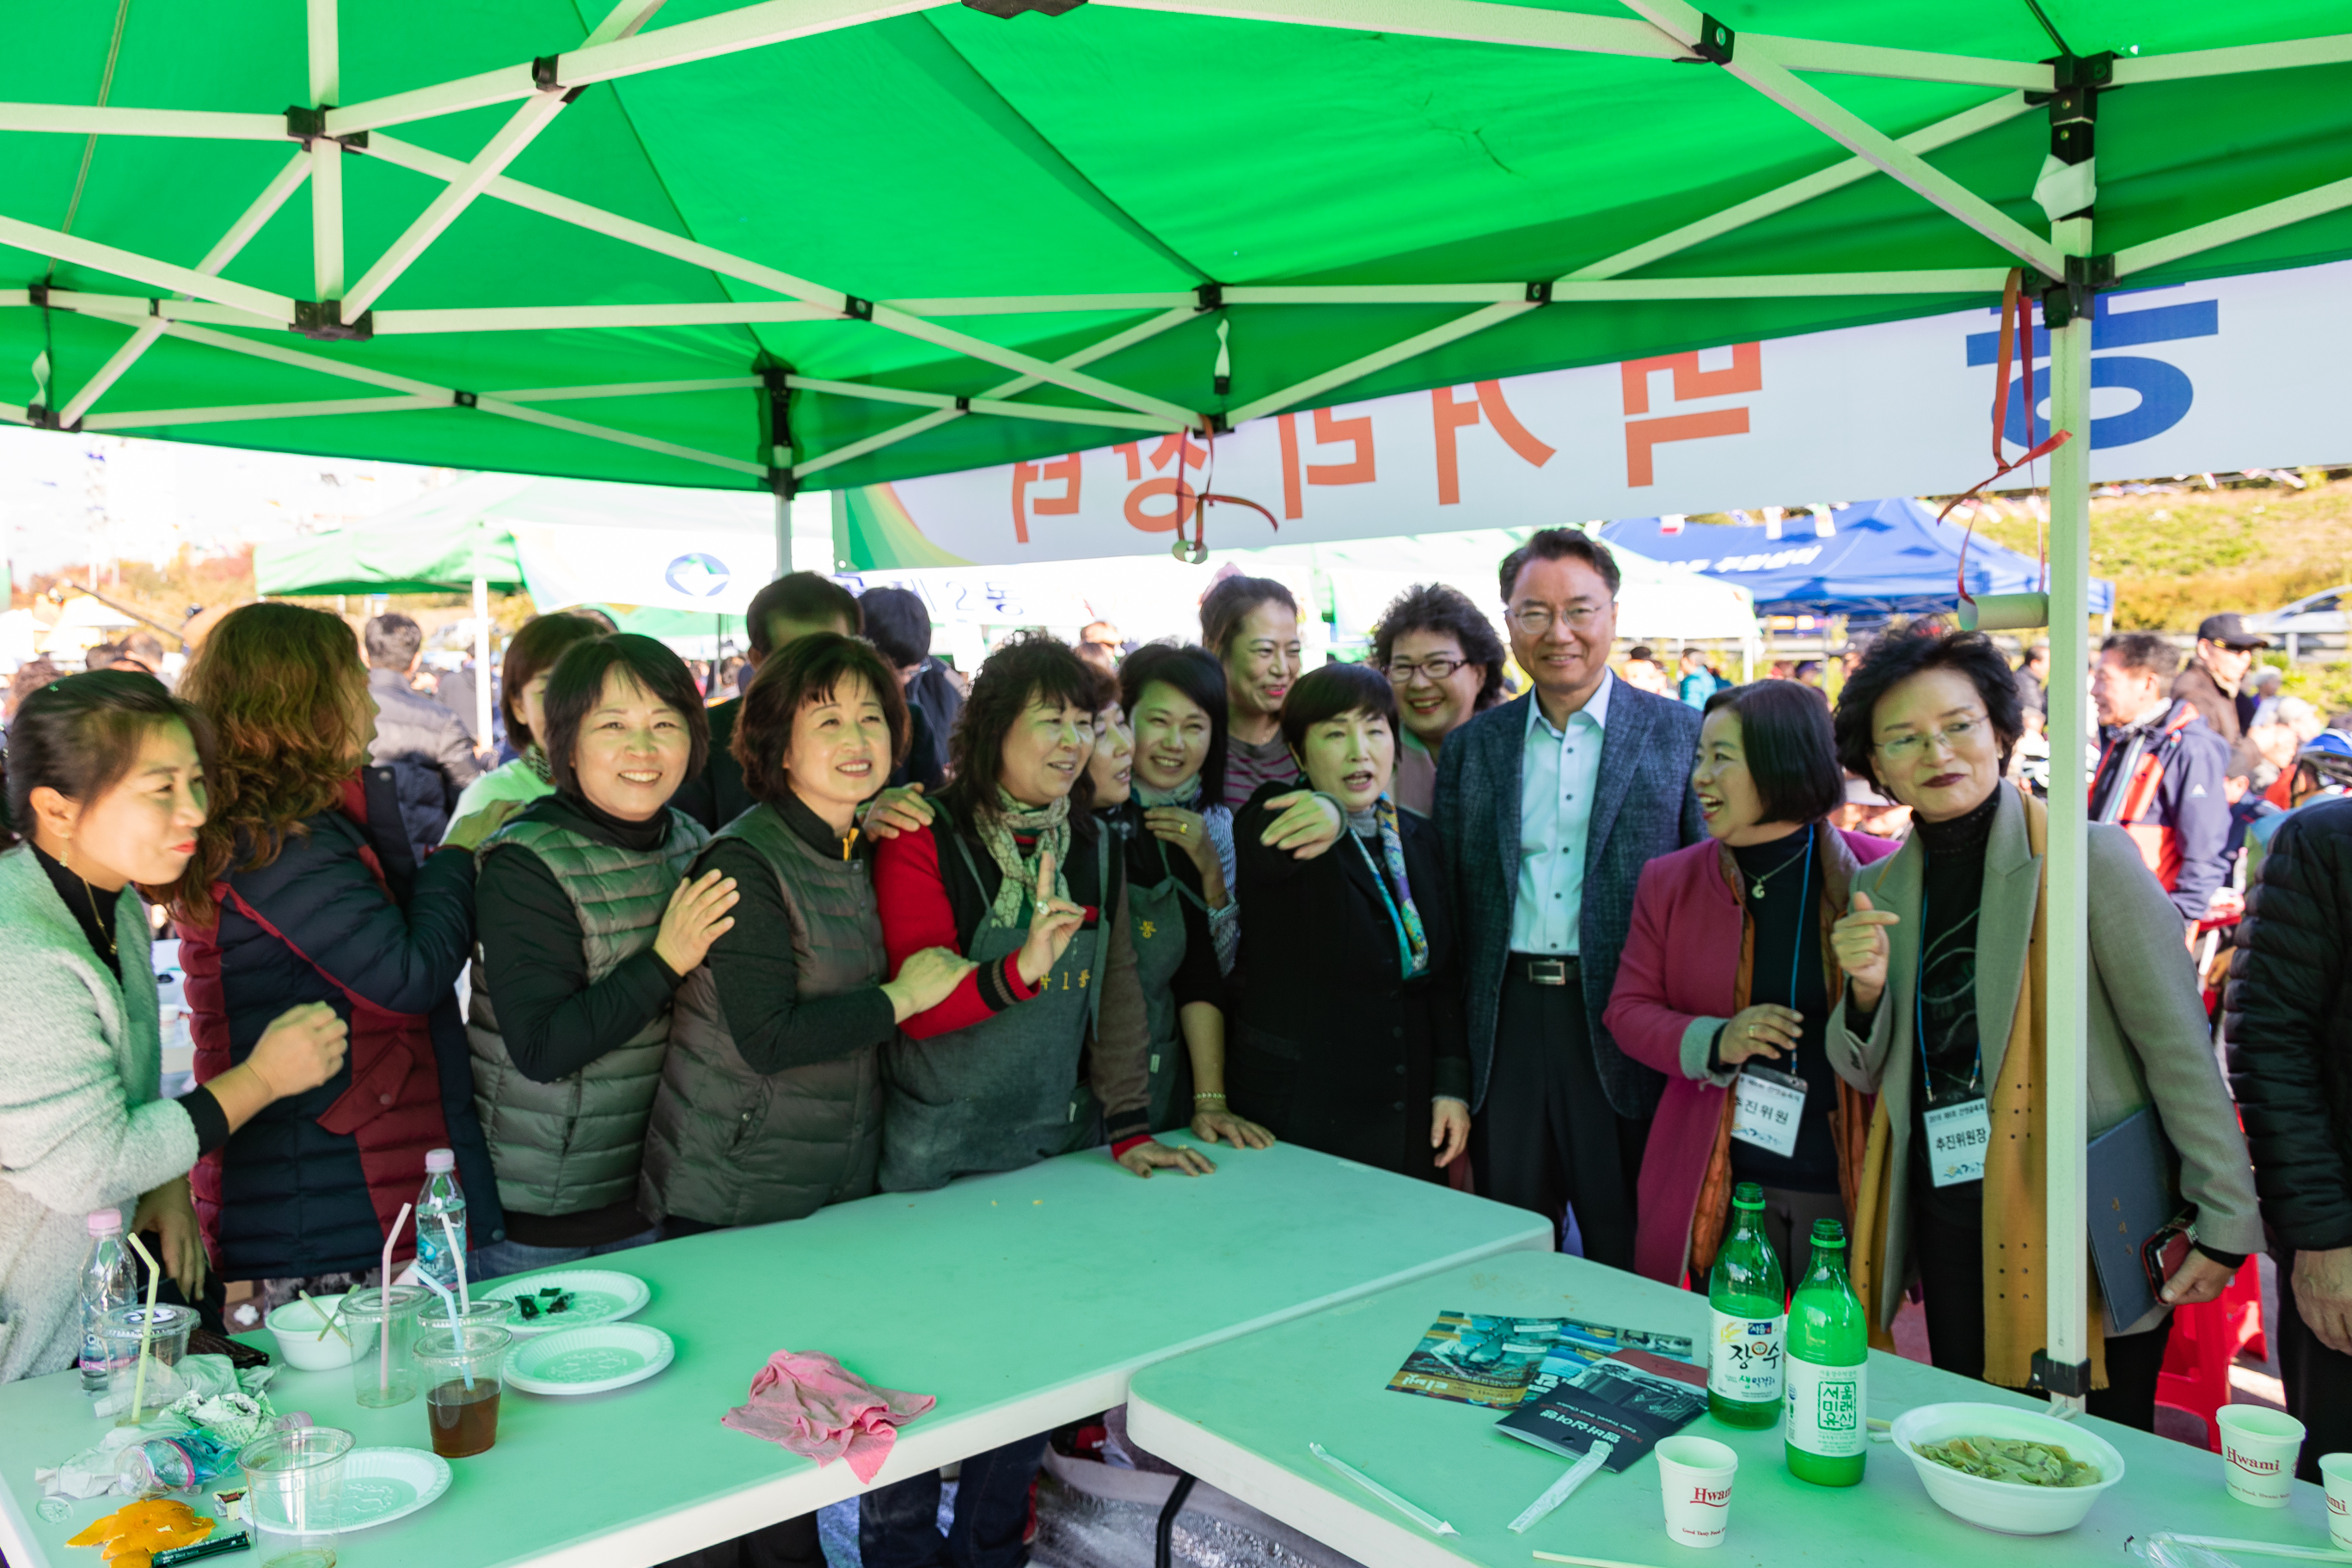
x: 1348, y: 1034
x: 1014, y: 875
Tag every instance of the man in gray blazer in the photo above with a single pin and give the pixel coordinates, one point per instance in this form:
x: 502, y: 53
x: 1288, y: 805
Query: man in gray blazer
x: 1550, y: 805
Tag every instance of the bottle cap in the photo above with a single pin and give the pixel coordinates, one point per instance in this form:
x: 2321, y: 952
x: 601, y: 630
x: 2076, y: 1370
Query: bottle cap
x: 1748, y: 1195
x: 106, y: 1222
x: 1828, y: 1233
x: 438, y: 1160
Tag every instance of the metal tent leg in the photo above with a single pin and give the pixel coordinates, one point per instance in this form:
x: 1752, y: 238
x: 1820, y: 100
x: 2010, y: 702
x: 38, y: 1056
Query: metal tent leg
x: 1163, y: 1553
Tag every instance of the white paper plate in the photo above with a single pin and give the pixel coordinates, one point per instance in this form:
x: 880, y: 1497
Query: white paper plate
x: 590, y: 1361
x: 380, y: 1485
x: 600, y: 1296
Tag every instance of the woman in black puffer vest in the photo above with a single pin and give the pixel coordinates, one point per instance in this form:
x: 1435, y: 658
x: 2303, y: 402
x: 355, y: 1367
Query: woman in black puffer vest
x: 588, y: 922
x: 771, y: 1103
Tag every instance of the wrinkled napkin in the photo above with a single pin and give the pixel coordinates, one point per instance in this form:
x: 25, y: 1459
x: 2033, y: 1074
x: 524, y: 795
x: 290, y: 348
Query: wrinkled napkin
x: 809, y: 1403
x: 208, y: 1393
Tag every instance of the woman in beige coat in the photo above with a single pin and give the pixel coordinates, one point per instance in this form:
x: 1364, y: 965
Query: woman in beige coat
x: 1944, y: 949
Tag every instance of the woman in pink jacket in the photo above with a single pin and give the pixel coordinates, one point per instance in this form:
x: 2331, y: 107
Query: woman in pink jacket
x: 1728, y: 976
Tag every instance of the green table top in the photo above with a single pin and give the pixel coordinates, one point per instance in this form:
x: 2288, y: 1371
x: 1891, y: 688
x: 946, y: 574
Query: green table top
x: 1021, y: 1301
x: 1240, y: 1415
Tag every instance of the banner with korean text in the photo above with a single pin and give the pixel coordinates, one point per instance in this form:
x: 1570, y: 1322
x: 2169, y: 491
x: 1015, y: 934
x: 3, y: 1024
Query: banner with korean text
x: 2222, y: 375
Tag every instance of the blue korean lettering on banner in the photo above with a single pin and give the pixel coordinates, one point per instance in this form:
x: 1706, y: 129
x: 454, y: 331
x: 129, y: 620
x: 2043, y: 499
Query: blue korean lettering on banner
x: 2164, y: 389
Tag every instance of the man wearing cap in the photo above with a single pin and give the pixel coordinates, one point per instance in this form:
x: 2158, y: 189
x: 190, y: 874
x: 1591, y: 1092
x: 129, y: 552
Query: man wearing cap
x: 2214, y: 684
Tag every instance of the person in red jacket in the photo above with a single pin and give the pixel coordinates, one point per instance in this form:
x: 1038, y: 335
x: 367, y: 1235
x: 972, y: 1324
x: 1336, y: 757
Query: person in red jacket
x: 303, y: 890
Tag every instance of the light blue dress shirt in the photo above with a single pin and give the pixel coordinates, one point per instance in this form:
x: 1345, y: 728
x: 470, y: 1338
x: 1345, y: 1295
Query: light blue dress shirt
x: 1559, y: 772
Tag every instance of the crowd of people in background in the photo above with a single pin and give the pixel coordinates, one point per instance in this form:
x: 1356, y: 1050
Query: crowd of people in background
x: 1496, y: 906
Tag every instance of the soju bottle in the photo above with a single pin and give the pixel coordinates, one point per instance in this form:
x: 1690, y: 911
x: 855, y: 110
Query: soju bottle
x: 1829, y: 1354
x: 1748, y: 1307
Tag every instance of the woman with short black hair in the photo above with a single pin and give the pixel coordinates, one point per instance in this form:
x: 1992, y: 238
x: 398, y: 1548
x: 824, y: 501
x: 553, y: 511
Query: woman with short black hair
x: 524, y: 672
x: 588, y: 922
x: 1441, y: 653
x: 1348, y: 1033
x: 1725, y: 986
x: 1945, y: 955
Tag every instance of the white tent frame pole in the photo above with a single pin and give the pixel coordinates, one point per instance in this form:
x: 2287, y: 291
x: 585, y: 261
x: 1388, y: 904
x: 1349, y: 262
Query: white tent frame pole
x: 273, y: 196
x: 729, y: 32
x: 60, y: 247
x: 194, y: 124
x: 326, y: 156
x: 556, y: 317
x: 1597, y: 291
x: 612, y: 226
x: 2239, y: 226
x: 1380, y: 359
x: 623, y: 437
x: 2067, y: 919
x: 628, y: 389
x: 1124, y: 339
x: 2131, y: 70
x: 156, y: 418
x: 1044, y: 411
x: 521, y: 127
x: 482, y: 657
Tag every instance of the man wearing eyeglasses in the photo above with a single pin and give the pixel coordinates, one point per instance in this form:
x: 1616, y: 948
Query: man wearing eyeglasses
x: 1550, y: 805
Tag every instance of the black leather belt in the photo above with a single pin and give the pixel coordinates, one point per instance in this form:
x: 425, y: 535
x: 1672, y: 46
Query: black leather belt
x: 1539, y: 969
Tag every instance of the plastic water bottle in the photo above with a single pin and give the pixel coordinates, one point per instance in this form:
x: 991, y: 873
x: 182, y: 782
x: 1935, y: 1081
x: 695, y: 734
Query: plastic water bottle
x: 109, y: 1279
x: 175, y: 1464
x: 441, y: 1199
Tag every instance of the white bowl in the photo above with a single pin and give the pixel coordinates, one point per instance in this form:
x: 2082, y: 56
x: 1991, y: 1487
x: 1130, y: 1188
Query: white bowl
x: 2011, y: 1507
x: 296, y: 1327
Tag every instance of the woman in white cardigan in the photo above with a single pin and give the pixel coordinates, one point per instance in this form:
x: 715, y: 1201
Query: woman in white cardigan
x: 106, y: 786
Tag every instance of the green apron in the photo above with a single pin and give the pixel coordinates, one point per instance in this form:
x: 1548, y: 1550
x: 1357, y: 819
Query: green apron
x: 1005, y: 1092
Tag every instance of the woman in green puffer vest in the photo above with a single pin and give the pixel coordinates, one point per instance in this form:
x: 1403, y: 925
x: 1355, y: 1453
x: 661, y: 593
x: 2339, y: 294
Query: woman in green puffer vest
x: 771, y: 1103
x: 588, y: 922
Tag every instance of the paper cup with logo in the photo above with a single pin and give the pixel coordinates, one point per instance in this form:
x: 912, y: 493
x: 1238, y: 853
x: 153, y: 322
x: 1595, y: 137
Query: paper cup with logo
x: 1695, y: 1474
x: 2335, y: 1473
x: 2259, y: 1445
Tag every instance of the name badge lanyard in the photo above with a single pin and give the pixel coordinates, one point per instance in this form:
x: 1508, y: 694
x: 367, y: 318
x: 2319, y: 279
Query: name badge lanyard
x: 1771, y: 1104
x: 1960, y: 1131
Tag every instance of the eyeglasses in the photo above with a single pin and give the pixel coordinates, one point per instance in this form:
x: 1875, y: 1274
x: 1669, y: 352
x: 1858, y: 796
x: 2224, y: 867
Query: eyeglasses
x: 1401, y: 672
x: 1957, y: 735
x: 1535, y: 620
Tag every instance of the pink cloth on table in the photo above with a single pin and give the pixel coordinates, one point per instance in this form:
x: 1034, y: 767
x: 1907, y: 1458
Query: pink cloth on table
x: 808, y: 1401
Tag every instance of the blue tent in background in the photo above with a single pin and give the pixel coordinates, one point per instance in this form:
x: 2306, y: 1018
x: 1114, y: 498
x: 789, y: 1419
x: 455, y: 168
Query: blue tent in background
x: 1879, y: 558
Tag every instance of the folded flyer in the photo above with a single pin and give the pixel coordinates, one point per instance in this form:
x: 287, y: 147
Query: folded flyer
x: 1632, y: 1397
x: 1478, y: 1360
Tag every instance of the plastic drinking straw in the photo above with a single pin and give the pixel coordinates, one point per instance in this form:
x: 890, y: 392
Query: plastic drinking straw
x: 456, y: 1328
x: 146, y: 1328
x: 1559, y: 1490
x: 327, y: 1319
x: 384, y: 1311
x: 1412, y: 1511
x: 457, y: 1253
x: 1589, y: 1562
x: 2259, y: 1548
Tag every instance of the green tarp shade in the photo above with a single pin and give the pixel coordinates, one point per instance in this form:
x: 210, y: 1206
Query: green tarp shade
x: 412, y: 558
x: 951, y: 154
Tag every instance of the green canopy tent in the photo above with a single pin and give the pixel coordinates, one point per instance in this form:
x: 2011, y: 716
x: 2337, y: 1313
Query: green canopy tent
x: 827, y: 242
x: 425, y: 547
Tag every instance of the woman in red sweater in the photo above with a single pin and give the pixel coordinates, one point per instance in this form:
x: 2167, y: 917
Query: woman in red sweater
x: 1012, y: 874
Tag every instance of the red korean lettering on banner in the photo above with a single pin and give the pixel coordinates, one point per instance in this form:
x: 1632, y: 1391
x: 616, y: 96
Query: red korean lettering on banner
x: 1642, y: 437
x: 1449, y: 417
x: 1065, y: 468
x: 1329, y: 430
x: 1181, y: 497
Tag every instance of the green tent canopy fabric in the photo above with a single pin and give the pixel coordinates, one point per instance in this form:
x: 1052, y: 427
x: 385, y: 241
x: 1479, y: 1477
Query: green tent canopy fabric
x: 399, y: 554
x: 819, y: 243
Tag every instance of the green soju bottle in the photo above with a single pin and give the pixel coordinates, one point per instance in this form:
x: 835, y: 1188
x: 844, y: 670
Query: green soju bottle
x: 1748, y: 1307
x: 1829, y: 1354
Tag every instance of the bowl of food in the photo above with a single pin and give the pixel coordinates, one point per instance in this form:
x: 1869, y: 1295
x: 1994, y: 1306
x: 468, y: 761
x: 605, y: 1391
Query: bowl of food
x: 2003, y: 1469
x: 306, y: 1342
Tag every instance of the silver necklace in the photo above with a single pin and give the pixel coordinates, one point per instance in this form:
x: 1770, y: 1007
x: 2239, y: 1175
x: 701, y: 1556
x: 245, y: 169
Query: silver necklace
x: 1756, y: 884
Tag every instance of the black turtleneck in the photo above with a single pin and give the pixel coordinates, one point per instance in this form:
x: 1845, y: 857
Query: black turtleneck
x: 95, y: 913
x: 1787, y: 969
x: 1945, y: 989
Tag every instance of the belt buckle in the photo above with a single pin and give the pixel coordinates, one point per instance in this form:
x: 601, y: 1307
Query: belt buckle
x: 1547, y: 971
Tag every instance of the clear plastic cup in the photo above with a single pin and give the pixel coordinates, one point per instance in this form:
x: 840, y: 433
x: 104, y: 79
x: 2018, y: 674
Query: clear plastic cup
x: 2259, y: 1447
x: 294, y: 1482
x: 2336, y: 1474
x: 123, y: 1327
x: 386, y: 1322
x: 1695, y: 1473
x: 464, y: 1370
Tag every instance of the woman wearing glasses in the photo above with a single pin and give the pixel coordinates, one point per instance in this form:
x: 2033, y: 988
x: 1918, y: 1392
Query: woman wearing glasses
x: 1447, y: 664
x: 1725, y: 986
x: 1945, y: 950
